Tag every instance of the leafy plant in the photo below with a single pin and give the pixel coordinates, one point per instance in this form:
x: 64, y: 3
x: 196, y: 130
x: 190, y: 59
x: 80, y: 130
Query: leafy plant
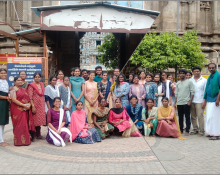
x: 109, y: 52
x: 160, y: 52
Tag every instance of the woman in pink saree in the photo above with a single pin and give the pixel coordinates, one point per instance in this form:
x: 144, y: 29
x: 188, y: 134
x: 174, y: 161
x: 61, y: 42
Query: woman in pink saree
x: 81, y: 131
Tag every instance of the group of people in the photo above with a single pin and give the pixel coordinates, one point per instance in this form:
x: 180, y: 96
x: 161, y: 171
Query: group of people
x: 89, y: 106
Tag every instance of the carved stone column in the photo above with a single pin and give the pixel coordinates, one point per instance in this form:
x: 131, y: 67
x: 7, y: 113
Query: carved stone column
x: 183, y: 18
x: 190, y: 25
x: 8, y: 12
x: 207, y: 8
x: 215, y: 16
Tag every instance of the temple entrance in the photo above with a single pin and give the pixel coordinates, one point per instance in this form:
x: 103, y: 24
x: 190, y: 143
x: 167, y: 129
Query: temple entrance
x: 62, y: 27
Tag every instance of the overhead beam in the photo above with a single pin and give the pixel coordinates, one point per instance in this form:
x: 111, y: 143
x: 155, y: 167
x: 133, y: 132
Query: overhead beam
x: 8, y: 35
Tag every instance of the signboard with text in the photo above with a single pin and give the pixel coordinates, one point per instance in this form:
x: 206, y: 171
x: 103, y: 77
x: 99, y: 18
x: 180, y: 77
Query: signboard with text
x: 28, y: 64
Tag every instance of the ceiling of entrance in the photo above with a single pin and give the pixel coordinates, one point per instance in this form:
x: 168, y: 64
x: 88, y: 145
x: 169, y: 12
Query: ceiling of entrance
x: 96, y: 17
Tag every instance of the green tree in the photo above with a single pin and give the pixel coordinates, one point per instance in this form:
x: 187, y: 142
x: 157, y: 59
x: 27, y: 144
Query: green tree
x: 109, y: 52
x: 160, y: 52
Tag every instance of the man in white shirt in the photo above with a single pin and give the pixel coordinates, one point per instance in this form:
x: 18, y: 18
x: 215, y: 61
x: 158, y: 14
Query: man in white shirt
x: 196, y: 108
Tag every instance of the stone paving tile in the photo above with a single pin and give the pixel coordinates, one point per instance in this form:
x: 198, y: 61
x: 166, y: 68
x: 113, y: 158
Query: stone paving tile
x: 115, y: 155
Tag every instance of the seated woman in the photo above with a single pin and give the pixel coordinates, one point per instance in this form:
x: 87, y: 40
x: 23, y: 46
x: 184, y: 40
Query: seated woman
x: 57, y: 133
x: 134, y: 111
x: 81, y: 131
x: 117, y: 117
x: 149, y: 116
x: 100, y: 119
x: 168, y: 125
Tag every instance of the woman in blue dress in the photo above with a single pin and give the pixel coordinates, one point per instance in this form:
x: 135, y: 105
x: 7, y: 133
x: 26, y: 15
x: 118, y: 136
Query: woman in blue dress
x: 122, y: 90
x: 77, y: 88
x: 134, y: 110
x: 151, y: 89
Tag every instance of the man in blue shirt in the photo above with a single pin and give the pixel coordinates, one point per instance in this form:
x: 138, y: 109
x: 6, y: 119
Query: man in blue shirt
x: 211, y: 101
x: 98, y: 77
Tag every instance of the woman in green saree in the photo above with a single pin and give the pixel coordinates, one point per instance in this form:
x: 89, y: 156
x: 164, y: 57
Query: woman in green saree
x: 100, y: 119
x: 149, y: 116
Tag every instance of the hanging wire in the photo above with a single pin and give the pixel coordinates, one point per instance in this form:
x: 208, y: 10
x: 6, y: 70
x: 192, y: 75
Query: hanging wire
x: 16, y: 14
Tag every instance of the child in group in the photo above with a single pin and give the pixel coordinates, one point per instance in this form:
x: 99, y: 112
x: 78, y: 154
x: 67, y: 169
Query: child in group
x: 81, y: 131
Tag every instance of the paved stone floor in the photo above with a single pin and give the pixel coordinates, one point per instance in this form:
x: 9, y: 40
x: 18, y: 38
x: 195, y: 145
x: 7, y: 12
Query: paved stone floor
x: 115, y: 155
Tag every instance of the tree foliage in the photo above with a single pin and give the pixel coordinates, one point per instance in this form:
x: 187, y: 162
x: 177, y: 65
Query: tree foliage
x: 109, y: 52
x: 160, y: 52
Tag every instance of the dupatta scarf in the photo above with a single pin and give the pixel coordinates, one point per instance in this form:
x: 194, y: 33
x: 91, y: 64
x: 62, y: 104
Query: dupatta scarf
x: 52, y: 93
x: 34, y: 86
x: 78, y: 121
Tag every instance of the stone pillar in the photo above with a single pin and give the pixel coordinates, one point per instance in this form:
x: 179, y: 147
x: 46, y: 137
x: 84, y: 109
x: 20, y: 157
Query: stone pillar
x: 183, y: 16
x: 8, y: 19
x: 207, y: 8
x: 29, y: 12
x: 215, y: 16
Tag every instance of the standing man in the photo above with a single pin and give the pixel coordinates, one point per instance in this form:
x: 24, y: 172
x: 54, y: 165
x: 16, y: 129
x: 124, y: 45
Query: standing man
x: 196, y: 108
x: 98, y: 72
x: 211, y: 99
x: 84, y: 74
x: 184, y: 96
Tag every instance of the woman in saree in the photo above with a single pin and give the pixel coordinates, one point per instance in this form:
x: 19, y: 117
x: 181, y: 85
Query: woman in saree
x: 57, y: 134
x: 21, y: 115
x: 142, y: 78
x: 59, y: 77
x: 100, y: 119
x: 167, y: 122
x: 4, y: 104
x: 122, y: 89
x: 117, y: 117
x: 91, y: 96
x: 134, y: 111
x: 138, y: 90
x: 160, y: 93
x: 51, y: 91
x: 65, y: 96
x: 77, y: 88
x: 81, y: 131
x: 149, y: 116
x: 104, y: 87
x: 36, y: 93
x: 167, y: 89
x: 23, y: 75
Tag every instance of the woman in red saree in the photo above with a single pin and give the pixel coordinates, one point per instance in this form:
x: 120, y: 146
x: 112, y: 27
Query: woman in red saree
x: 21, y: 115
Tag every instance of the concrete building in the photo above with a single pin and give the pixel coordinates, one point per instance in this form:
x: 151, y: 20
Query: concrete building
x: 193, y: 15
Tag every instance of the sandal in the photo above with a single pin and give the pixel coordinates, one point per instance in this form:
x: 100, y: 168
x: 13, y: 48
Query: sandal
x: 194, y: 133
x: 186, y: 134
x: 213, y: 138
x: 201, y: 134
x: 40, y: 137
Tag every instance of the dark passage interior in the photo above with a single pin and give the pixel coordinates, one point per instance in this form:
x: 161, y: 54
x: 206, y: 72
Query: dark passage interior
x: 67, y: 52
